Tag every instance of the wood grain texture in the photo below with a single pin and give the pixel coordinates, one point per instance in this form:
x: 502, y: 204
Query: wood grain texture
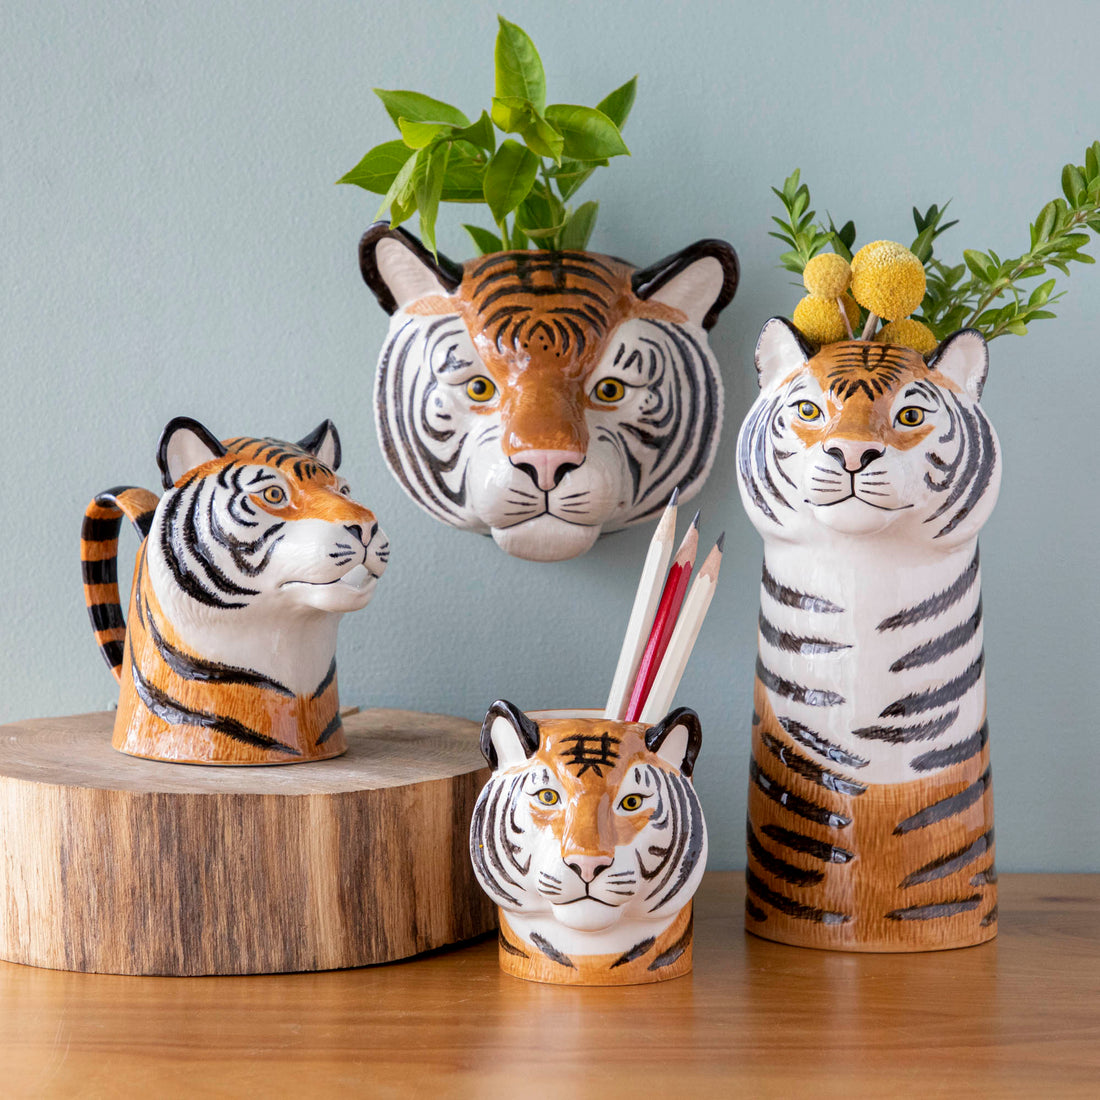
x: 1018, y: 1017
x: 114, y: 864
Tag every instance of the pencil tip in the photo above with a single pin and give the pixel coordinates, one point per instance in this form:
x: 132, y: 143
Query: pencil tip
x: 695, y: 519
x: 721, y: 543
x: 675, y: 497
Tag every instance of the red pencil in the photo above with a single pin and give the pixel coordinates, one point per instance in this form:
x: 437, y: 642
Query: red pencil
x: 672, y: 597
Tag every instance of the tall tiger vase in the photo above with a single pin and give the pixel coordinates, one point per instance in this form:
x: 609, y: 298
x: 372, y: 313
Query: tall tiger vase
x: 869, y: 472
x: 590, y: 839
x: 544, y: 398
x: 246, y: 565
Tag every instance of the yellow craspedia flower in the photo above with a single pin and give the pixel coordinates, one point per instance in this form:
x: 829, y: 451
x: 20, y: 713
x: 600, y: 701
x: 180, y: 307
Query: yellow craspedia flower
x: 819, y: 320
x: 908, y: 333
x: 888, y: 279
x: 827, y: 275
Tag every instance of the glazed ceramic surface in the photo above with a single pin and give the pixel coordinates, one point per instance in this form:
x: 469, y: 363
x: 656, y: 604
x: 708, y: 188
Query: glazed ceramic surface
x: 590, y: 838
x: 869, y: 474
x: 545, y: 398
x: 247, y: 563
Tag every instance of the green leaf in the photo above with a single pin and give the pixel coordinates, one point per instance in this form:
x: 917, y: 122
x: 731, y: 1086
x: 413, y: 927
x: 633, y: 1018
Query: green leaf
x: 617, y: 104
x: 579, y: 226
x: 587, y: 132
x: 540, y: 216
x: 1092, y: 161
x: 977, y: 262
x: 484, y: 241
x: 543, y: 139
x: 419, y: 108
x: 1044, y: 223
x: 509, y: 177
x: 922, y: 245
x: 1017, y: 328
x: 401, y: 212
x: 571, y: 175
x: 790, y: 186
x: 480, y: 134
x: 1040, y: 315
x: 512, y: 113
x: 419, y: 135
x: 464, y: 178
x: 428, y: 187
x: 378, y: 169
x: 1073, y: 183
x: 519, y: 69
x: 399, y: 197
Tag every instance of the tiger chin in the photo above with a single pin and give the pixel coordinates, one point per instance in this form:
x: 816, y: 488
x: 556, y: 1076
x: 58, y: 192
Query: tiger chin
x: 545, y: 398
x: 590, y: 839
x: 247, y: 563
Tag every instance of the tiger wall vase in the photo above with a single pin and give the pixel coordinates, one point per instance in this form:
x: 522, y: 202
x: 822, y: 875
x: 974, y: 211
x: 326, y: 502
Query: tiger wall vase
x: 545, y: 398
x: 246, y: 565
x: 590, y: 839
x: 869, y: 473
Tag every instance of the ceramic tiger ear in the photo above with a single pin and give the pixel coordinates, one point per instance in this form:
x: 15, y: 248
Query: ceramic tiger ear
x: 324, y: 444
x: 184, y: 444
x: 699, y: 280
x: 676, y: 739
x: 399, y: 269
x: 964, y: 358
x: 780, y: 349
x: 508, y: 736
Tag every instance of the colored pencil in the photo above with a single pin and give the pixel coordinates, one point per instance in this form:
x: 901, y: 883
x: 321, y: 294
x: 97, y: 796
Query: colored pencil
x: 668, y: 609
x: 683, y: 637
x: 641, y: 615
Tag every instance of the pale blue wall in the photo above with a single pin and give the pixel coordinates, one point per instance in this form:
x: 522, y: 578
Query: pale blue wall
x: 172, y: 243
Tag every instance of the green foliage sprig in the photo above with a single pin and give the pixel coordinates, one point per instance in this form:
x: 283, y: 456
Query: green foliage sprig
x: 984, y: 292
x: 442, y: 156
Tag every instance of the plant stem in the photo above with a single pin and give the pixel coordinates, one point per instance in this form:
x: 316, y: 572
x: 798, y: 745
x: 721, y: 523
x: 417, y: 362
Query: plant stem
x: 844, y: 317
x: 502, y: 225
x: 869, y: 328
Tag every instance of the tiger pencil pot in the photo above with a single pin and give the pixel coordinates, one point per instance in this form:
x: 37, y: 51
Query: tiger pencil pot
x: 545, y: 398
x: 590, y: 839
x: 869, y: 472
x: 246, y: 565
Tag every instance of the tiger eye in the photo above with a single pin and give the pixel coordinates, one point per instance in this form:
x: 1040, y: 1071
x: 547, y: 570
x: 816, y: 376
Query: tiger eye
x: 547, y: 797
x: 631, y: 802
x: 610, y: 389
x: 480, y: 389
x: 808, y: 410
x: 274, y: 495
x: 911, y: 416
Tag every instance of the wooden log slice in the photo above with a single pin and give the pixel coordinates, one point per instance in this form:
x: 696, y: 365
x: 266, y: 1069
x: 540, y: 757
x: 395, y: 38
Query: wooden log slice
x: 114, y: 864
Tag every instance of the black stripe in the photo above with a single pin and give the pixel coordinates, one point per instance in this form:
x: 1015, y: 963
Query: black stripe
x: 937, y: 697
x: 112, y: 653
x: 814, y: 697
x: 952, y: 754
x: 329, y: 677
x: 791, y: 907
x: 669, y: 956
x: 803, y: 807
x: 806, y: 768
x: 950, y: 863
x: 939, y: 647
x: 744, y: 461
x: 780, y: 868
x: 144, y: 521
x: 753, y: 910
x: 792, y: 643
x: 946, y: 807
x: 100, y: 530
x: 984, y: 472
x: 937, y: 909
x: 104, y: 571
x: 937, y: 604
x: 903, y: 735
x: 480, y: 841
x: 550, y: 951
x: 799, y: 842
x: 988, y: 877
x: 989, y: 918
x: 336, y: 724
x: 789, y: 597
x: 176, y: 714
x: 106, y: 616
x: 636, y: 952
x: 811, y: 740
x: 181, y: 572
x: 509, y: 947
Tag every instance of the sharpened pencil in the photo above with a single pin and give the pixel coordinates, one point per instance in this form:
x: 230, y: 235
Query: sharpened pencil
x: 641, y: 615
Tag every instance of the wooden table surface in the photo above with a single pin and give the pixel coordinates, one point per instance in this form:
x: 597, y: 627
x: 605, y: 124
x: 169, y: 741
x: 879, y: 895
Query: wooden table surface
x: 1016, y: 1017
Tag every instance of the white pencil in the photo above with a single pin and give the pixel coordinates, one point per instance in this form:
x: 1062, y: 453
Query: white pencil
x: 641, y: 615
x: 683, y: 638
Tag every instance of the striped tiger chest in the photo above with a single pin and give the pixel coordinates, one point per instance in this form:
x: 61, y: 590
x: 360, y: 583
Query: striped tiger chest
x: 870, y: 802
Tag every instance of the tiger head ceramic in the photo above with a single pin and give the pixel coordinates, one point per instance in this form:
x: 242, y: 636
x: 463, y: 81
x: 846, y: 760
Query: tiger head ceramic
x: 869, y: 472
x: 247, y: 563
x: 590, y: 839
x: 545, y: 398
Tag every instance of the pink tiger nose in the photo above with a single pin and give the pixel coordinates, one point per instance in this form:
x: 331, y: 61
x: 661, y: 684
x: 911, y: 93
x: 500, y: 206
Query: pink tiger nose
x: 588, y: 867
x: 854, y: 454
x: 546, y: 468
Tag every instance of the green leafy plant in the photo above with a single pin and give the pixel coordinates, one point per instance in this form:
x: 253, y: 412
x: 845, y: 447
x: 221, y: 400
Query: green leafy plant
x: 984, y: 292
x: 527, y: 183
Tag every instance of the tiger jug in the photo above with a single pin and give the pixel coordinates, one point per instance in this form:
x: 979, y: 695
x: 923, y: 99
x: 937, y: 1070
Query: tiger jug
x: 590, y: 839
x: 869, y: 472
x: 246, y: 565
x: 542, y: 397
